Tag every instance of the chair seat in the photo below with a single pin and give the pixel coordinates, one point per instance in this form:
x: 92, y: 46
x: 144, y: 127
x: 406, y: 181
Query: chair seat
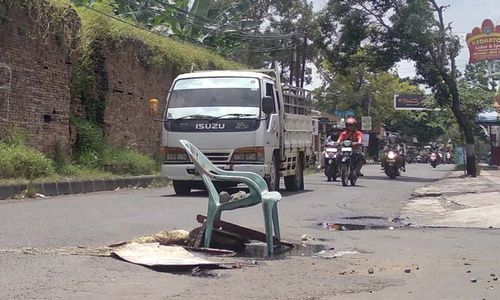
x: 276, y: 196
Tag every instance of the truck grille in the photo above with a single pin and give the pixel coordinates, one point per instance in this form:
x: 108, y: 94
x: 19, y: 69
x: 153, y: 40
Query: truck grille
x: 218, y: 156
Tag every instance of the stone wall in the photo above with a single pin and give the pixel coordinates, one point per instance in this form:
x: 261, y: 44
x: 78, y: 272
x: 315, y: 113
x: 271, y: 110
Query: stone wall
x: 131, y: 83
x: 35, y: 82
x: 35, y: 74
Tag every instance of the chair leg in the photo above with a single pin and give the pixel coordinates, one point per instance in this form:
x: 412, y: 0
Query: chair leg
x: 276, y: 222
x: 209, y: 226
x: 268, y: 219
x: 217, y: 215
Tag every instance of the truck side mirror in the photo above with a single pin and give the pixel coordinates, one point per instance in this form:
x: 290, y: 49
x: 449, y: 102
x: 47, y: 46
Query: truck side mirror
x: 154, y: 107
x: 267, y: 104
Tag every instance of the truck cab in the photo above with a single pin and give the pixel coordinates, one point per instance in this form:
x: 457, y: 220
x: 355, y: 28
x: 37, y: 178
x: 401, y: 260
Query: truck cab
x: 235, y: 118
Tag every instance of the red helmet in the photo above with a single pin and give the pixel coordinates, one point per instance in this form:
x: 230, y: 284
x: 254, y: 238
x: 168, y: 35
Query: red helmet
x: 350, y: 121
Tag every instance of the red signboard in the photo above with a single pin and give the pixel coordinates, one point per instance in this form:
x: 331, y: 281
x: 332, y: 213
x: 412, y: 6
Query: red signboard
x: 484, y: 42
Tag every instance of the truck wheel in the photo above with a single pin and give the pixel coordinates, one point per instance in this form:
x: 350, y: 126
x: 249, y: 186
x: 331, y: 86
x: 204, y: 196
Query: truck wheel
x: 273, y: 181
x: 296, y: 182
x: 182, y: 187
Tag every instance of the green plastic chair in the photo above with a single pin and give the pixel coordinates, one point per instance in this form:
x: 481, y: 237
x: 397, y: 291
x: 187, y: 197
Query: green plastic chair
x: 256, y: 185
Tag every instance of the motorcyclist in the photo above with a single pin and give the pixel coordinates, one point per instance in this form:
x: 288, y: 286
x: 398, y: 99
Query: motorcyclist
x: 402, y: 149
x: 391, y: 144
x: 356, y: 136
x: 330, y: 141
x: 334, y: 135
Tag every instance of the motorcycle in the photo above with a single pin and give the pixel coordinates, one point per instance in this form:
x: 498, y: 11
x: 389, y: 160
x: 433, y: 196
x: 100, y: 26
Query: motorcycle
x: 449, y: 158
x: 347, y: 164
x: 434, y: 159
x: 330, y: 157
x: 393, y: 163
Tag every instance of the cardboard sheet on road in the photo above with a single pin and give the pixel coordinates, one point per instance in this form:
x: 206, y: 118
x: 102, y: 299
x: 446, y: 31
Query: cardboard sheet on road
x: 154, y: 255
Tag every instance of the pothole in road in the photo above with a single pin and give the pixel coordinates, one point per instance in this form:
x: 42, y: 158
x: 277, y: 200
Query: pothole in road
x: 362, y: 223
x: 259, y: 250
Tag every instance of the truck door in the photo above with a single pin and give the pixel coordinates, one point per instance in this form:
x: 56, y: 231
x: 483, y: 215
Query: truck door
x: 272, y: 121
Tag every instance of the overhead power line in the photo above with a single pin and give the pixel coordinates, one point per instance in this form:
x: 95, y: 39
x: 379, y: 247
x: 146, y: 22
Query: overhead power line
x: 202, y: 22
x: 269, y: 49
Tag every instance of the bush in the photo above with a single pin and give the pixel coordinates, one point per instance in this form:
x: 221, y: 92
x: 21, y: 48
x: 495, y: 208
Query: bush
x: 89, y: 139
x: 127, y: 162
x: 20, y: 161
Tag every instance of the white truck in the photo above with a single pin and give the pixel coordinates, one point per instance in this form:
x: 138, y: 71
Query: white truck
x: 241, y: 120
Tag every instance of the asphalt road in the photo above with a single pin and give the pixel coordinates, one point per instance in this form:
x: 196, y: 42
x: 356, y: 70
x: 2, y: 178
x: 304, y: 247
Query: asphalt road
x: 438, y: 258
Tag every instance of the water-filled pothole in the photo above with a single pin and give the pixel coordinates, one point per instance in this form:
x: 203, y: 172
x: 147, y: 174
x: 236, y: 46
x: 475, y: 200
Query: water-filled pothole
x: 362, y: 223
x: 259, y: 250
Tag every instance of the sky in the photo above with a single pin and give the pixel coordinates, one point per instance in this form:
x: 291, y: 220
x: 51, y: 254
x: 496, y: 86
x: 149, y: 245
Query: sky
x: 464, y: 15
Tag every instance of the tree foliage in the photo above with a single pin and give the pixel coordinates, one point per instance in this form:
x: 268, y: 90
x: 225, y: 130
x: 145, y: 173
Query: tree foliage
x: 391, y: 30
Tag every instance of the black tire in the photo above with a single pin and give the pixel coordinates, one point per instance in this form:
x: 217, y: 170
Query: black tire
x: 182, y: 187
x: 353, y: 176
x: 329, y: 172
x: 274, y: 184
x: 296, y: 182
x: 335, y: 172
x: 344, y: 174
x: 390, y: 172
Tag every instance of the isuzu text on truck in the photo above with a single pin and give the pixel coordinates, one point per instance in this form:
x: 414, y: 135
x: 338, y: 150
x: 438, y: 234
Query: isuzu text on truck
x: 245, y: 121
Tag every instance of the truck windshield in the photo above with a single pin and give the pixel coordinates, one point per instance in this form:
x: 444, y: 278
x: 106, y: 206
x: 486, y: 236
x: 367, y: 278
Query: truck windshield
x: 218, y: 97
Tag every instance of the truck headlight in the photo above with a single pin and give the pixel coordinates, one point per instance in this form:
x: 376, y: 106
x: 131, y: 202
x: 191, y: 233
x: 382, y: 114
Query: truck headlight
x: 248, y: 154
x: 174, y: 154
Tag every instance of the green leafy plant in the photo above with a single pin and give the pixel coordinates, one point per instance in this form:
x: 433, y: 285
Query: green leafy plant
x: 127, y: 162
x: 20, y: 161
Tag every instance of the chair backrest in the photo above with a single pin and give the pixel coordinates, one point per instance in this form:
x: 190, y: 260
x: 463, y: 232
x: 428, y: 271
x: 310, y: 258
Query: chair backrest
x: 199, y: 159
x: 204, y: 167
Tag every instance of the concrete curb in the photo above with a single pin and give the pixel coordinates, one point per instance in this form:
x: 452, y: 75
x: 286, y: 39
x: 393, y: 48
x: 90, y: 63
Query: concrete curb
x: 66, y: 187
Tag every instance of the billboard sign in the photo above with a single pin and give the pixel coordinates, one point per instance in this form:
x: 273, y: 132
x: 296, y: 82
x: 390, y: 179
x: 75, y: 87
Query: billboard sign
x: 484, y: 42
x: 409, y: 102
x: 344, y: 113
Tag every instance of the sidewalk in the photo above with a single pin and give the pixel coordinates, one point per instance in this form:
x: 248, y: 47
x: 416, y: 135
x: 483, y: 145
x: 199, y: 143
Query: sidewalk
x: 78, y: 186
x: 457, y: 201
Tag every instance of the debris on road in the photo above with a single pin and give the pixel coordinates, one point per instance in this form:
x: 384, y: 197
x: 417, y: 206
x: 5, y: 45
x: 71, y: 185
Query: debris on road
x: 156, y: 255
x: 174, y: 237
x: 330, y: 253
x: 100, y: 251
x: 306, y: 238
x: 247, y: 233
x: 331, y: 226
